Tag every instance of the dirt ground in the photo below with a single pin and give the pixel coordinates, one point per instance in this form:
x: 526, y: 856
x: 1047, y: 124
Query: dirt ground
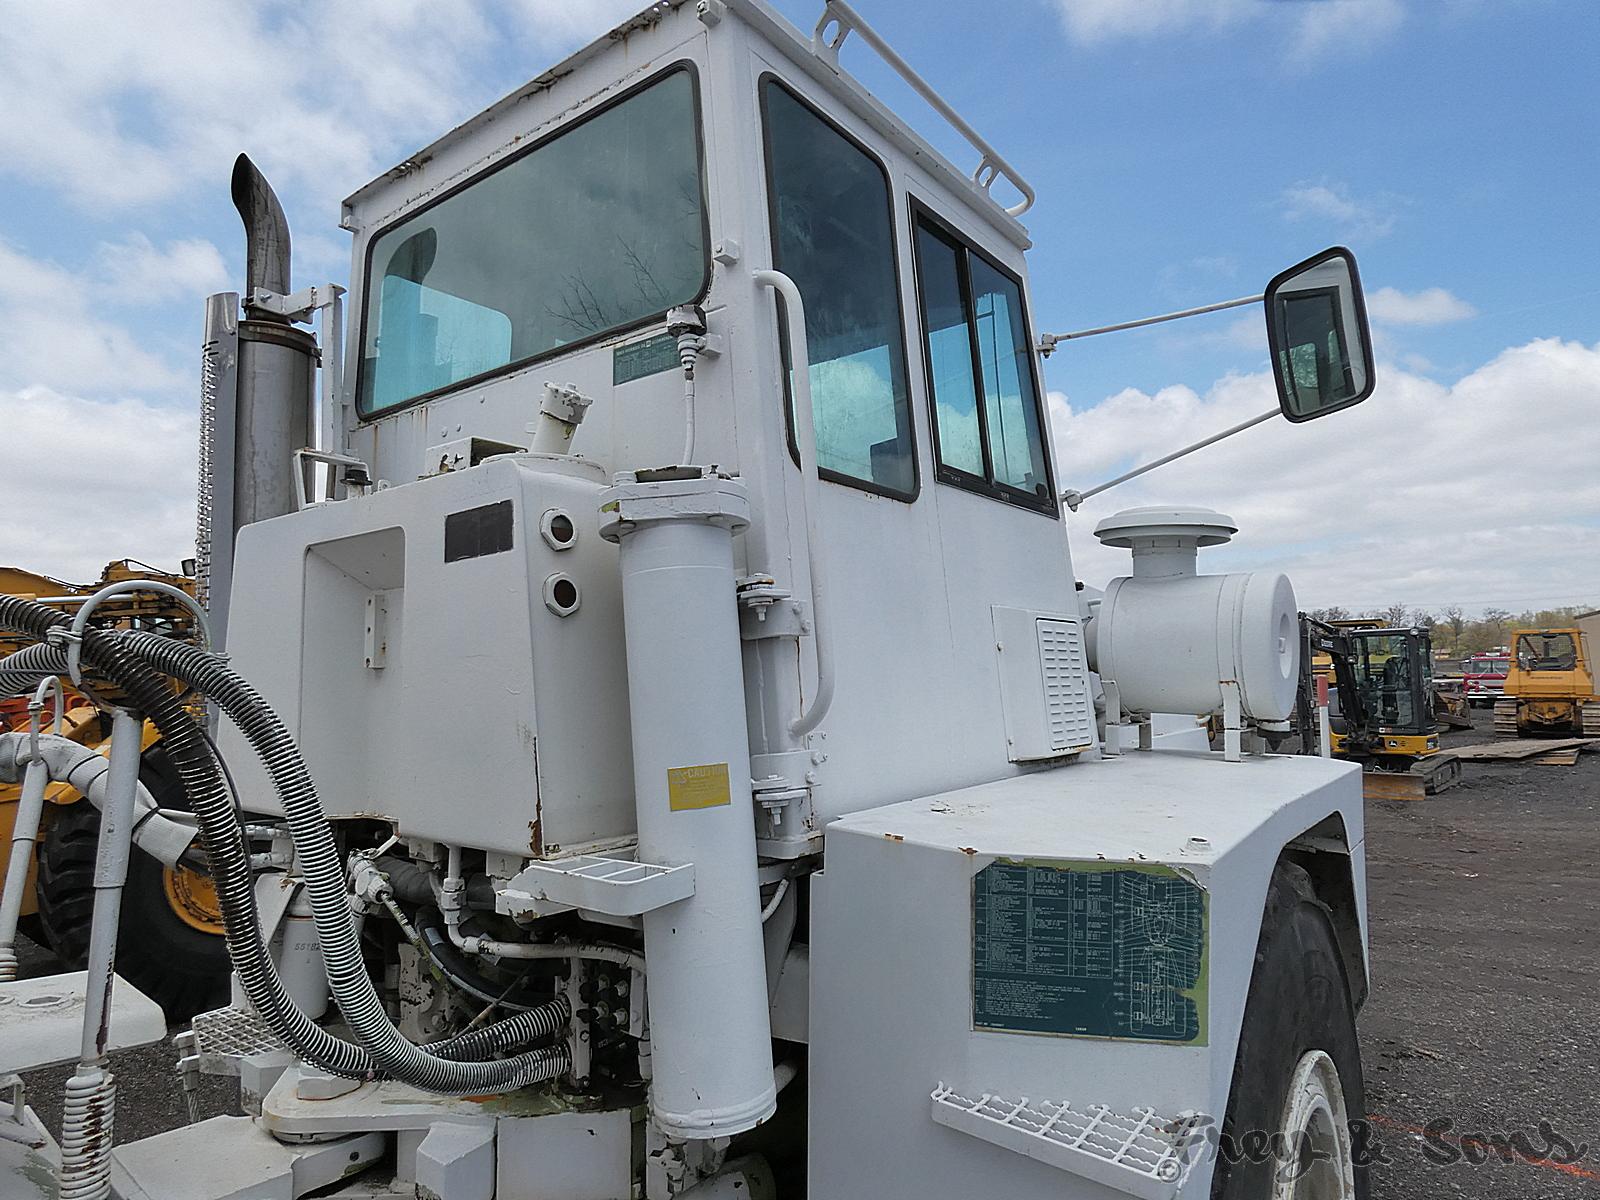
x: 1482, y: 1033
x: 1484, y: 1010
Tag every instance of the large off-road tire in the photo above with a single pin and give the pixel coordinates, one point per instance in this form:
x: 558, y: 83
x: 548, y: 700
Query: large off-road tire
x: 1297, y: 1079
x: 166, y: 945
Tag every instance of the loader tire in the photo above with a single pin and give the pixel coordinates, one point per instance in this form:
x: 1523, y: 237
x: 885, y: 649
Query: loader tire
x: 1298, y: 1015
x: 167, y: 955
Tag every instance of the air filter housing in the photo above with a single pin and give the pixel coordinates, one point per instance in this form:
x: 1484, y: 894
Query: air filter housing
x: 1170, y: 637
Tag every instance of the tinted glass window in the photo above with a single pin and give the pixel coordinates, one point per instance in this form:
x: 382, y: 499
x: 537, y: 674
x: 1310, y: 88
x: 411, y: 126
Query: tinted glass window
x: 976, y: 343
x: 1015, y: 446
x: 949, y: 343
x: 832, y: 234
x: 599, y: 228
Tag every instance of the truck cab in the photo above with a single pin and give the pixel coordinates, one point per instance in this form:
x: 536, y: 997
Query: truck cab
x: 678, y: 590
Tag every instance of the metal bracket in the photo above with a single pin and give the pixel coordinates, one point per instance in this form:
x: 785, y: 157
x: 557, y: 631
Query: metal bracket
x: 302, y: 495
x: 298, y: 306
x: 301, y: 306
x: 1232, y: 722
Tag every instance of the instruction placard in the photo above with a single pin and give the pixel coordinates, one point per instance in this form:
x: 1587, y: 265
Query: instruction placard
x: 1089, y: 949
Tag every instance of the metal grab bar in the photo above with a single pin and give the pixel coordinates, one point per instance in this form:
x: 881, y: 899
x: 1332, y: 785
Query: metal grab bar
x: 810, y: 491
x: 846, y: 20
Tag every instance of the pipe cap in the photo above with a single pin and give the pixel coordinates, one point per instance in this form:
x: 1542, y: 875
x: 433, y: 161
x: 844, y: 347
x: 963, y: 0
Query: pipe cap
x: 1195, y: 526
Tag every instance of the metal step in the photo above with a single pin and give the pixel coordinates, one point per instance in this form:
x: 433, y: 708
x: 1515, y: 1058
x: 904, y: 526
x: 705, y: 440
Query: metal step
x: 1138, y: 1154
x: 41, y: 1020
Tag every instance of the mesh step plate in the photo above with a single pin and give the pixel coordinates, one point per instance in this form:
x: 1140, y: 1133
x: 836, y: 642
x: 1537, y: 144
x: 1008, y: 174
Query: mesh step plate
x: 225, y: 1035
x: 1140, y: 1154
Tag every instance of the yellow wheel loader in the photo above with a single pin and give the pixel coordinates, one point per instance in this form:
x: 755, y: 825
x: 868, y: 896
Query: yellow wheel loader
x: 1550, y: 687
x: 173, y: 949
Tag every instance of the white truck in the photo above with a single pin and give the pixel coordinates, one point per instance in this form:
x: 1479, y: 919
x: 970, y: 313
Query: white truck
x: 663, y: 748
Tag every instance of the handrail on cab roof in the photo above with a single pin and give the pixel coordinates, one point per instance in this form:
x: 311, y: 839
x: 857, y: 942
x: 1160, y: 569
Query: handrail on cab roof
x: 842, y: 20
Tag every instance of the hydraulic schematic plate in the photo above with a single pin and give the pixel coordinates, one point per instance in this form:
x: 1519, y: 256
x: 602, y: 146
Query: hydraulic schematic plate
x: 1089, y: 949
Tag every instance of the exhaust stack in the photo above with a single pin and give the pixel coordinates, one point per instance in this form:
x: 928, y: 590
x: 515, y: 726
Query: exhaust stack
x: 266, y: 235
x: 259, y: 399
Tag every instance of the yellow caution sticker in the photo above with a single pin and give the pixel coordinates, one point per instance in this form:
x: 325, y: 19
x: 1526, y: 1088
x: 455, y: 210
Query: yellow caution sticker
x: 698, y: 787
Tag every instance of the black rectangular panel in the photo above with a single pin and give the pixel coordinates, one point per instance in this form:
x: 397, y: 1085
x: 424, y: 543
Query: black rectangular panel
x: 474, y: 532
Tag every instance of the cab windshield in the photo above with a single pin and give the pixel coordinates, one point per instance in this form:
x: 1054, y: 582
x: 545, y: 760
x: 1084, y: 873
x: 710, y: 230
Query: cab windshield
x: 1547, y: 652
x: 594, y: 230
x: 1383, y: 671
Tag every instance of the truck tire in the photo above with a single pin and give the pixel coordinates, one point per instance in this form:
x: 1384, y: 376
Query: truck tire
x: 166, y: 953
x: 1297, y: 1084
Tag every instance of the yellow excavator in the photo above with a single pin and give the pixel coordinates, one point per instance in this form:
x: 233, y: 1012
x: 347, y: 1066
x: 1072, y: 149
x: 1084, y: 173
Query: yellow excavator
x: 172, y: 947
x: 1550, y: 687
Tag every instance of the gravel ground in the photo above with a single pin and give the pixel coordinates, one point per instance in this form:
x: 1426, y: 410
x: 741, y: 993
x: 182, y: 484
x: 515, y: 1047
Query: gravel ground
x: 1484, y: 1011
x: 1484, y: 1018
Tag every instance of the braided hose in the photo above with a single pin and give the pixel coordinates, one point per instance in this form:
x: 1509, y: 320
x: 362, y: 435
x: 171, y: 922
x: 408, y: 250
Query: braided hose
x: 110, y: 653
x: 87, y: 1112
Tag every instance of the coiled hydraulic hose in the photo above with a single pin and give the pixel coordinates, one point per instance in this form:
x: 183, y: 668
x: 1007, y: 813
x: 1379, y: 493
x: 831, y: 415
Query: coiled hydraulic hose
x: 107, y: 653
x: 322, y: 868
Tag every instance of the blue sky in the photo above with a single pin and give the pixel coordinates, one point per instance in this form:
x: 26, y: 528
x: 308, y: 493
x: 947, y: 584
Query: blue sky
x: 1183, y: 152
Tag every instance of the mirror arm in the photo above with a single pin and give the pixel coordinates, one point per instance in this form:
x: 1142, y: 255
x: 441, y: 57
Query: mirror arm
x: 1049, y: 341
x: 1072, y: 498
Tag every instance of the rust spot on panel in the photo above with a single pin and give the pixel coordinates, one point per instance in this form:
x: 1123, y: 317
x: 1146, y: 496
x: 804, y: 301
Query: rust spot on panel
x: 968, y: 850
x: 894, y: 837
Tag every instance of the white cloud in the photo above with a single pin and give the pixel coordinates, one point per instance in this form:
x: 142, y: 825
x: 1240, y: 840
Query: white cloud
x: 1432, y: 306
x: 90, y: 481
x: 1331, y: 25
x: 52, y: 332
x: 1313, y: 27
x: 323, y: 99
x: 1333, y: 205
x: 1484, y: 492
x: 140, y: 271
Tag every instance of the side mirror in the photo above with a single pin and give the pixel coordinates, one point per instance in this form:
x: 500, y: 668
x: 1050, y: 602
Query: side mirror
x: 1317, y: 330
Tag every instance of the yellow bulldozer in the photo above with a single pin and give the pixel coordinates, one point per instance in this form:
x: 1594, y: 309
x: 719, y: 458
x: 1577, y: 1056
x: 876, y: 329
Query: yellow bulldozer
x: 1550, y: 687
x: 171, y: 946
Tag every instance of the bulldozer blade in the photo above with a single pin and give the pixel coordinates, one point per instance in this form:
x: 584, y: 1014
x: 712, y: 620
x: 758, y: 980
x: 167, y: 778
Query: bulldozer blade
x: 1427, y: 778
x: 1451, y: 709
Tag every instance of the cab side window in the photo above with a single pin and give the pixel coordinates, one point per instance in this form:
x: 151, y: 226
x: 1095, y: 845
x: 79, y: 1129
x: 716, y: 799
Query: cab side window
x: 833, y: 234
x: 982, y: 390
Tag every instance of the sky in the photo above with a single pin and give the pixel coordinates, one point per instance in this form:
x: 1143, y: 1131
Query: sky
x: 1183, y: 151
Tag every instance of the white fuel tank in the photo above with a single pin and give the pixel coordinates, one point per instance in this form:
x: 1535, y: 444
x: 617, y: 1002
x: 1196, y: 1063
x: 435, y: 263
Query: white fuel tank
x: 1169, y: 637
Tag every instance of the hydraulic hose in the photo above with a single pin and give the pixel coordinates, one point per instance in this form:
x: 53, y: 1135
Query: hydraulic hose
x: 455, y: 965
x: 21, y: 672
x: 320, y: 864
x: 109, y: 654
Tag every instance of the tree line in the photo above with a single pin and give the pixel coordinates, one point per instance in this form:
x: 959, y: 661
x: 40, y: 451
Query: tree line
x: 1456, y: 633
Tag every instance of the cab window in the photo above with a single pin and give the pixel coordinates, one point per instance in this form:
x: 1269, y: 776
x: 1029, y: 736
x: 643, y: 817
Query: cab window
x: 833, y: 234
x: 599, y: 228
x: 1547, y: 652
x: 988, y: 431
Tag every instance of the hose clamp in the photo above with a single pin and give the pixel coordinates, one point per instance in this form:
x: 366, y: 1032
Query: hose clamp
x: 36, y: 710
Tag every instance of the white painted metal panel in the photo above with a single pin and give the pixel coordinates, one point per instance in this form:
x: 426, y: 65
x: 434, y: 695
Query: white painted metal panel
x: 892, y: 959
x: 493, y: 722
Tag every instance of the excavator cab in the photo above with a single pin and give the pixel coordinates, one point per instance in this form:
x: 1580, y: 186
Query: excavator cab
x: 1392, y: 671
